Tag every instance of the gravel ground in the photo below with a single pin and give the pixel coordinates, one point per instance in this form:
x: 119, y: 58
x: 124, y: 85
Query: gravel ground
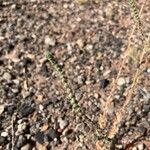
x: 88, y: 41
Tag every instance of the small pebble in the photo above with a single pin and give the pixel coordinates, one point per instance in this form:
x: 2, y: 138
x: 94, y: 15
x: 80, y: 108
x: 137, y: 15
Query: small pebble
x: 89, y: 47
x: 21, y: 127
x: 107, y: 72
x: 69, y: 47
x: 53, y: 135
x: 67, y: 132
x: 134, y: 148
x: 98, y: 63
x: 21, y: 141
x: 80, y: 43
x: 4, y: 134
x: 40, y: 147
x: 39, y: 136
x: 2, y: 107
x: 127, y: 80
x: 65, y: 6
x: 81, y: 79
x: 121, y: 81
x: 2, y: 140
x: 146, y: 108
x: 104, y: 83
x: 62, y: 123
x: 50, y: 41
x: 15, y: 90
x: 148, y: 70
x: 13, y: 6
x: 16, y: 81
x: 7, y: 76
x: 96, y: 95
x: 26, y: 147
x: 140, y: 146
x: 41, y: 107
x: 82, y: 1
x: 26, y: 110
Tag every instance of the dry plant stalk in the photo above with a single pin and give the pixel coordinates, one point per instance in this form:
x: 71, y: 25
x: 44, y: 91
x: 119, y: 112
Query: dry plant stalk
x: 101, y: 145
x: 120, y: 113
x: 109, y: 101
x: 103, y: 120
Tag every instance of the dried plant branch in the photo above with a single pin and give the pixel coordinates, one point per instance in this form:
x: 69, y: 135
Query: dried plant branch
x: 109, y: 100
x: 120, y: 113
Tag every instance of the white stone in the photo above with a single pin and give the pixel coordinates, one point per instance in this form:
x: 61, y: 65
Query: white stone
x: 148, y: 70
x: 4, y: 134
x: 1, y: 38
x: 134, y: 148
x: 80, y: 43
x: 13, y: 6
x: 117, y: 96
x: 121, y: 81
x: 141, y: 146
x: 62, y: 123
x: 69, y: 47
x: 2, y: 107
x: 26, y: 147
x: 89, y: 47
x: 50, y: 41
x: 32, y: 0
x: 107, y: 72
x: 16, y: 81
x: 21, y: 127
x: 78, y: 19
x: 41, y: 107
x: 7, y: 76
x: 65, y: 6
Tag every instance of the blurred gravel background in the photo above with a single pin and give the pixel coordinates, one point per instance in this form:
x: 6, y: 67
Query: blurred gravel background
x: 88, y: 41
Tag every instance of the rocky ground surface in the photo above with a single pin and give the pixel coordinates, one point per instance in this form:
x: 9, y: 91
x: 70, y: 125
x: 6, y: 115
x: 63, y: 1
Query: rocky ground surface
x: 88, y: 39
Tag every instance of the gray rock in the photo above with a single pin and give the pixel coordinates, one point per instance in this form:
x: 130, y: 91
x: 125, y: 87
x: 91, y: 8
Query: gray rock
x: 81, y: 79
x: 21, y: 141
x: 39, y: 136
x: 146, y: 108
x: 2, y: 140
x: 78, y: 95
x: 104, y: 83
x: 25, y: 110
x: 53, y: 135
